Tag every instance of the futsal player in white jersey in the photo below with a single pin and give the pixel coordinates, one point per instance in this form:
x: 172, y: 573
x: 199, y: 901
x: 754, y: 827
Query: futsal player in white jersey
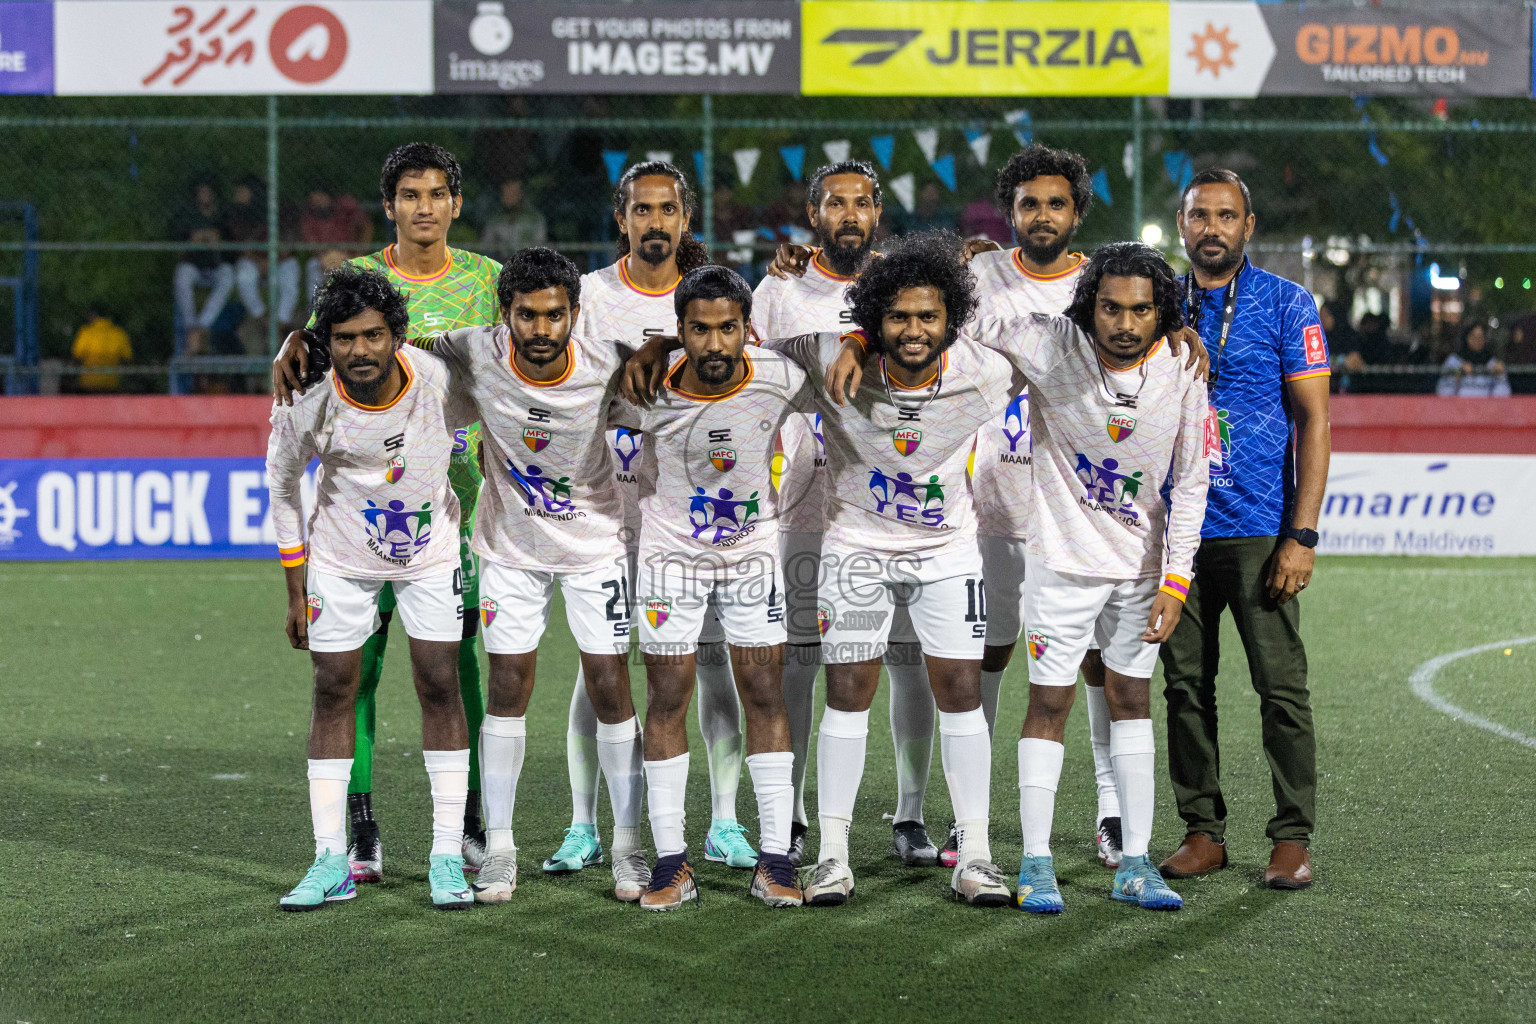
x: 381, y: 424
x: 1045, y: 193
x: 1119, y: 427
x: 843, y: 206
x: 629, y: 301
x: 709, y: 538
x: 549, y: 513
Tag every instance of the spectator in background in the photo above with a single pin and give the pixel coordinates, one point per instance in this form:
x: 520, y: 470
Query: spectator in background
x: 246, y: 221
x: 201, y: 221
x: 1521, y: 350
x: 337, y: 220
x: 100, y: 343
x: 516, y: 226
x: 929, y: 213
x: 982, y: 219
x: 1472, y: 370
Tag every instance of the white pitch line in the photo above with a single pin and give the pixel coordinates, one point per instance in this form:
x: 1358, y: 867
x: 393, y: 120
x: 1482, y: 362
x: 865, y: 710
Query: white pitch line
x: 1423, y: 680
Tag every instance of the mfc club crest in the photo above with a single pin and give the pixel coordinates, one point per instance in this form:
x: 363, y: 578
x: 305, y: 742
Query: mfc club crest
x: 1120, y: 426
x: 487, y: 611
x: 1038, y: 642
x: 535, y: 438
x: 656, y: 611
x: 396, y: 470
x: 906, y: 439
x: 823, y: 618
x: 722, y: 458
x: 316, y: 606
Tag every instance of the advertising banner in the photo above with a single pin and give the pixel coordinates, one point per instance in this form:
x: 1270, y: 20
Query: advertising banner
x: 26, y: 48
x: 880, y: 48
x: 205, y: 47
x: 1381, y: 504
x: 1247, y: 49
x: 655, y: 46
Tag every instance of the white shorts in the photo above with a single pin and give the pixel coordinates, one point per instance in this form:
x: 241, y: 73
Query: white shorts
x: 343, y: 613
x: 1002, y: 566
x: 800, y: 554
x: 860, y: 604
x: 673, y: 608
x: 514, y: 608
x: 1067, y: 614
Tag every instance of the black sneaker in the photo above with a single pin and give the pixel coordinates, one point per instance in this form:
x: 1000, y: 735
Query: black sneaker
x: 950, y: 855
x: 797, y: 832
x: 910, y: 842
x: 1109, y: 842
x: 365, y: 853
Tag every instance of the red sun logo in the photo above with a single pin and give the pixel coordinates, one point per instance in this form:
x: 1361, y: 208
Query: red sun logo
x: 1212, y: 50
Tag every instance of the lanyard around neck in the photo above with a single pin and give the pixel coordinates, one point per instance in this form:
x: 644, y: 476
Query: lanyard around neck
x: 1194, y: 299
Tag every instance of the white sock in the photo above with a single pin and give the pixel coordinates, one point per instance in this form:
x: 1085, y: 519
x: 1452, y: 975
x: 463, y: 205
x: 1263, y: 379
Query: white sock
x: 911, y: 727
x: 966, y: 749
x: 1131, y: 748
x: 666, y: 786
x: 801, y: 663
x: 1039, y: 775
x: 581, y: 754
x: 840, y: 751
x: 720, y: 723
x: 502, y: 744
x: 618, y: 751
x: 771, y: 780
x: 448, y: 772
x: 1103, y: 770
x: 328, y: 777
x: 991, y: 688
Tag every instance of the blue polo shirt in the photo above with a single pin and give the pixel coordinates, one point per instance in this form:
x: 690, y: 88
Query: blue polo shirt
x: 1275, y: 338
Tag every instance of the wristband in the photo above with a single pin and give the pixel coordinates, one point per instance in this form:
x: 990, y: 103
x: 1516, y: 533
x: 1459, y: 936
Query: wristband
x: 291, y: 557
x: 1176, y: 586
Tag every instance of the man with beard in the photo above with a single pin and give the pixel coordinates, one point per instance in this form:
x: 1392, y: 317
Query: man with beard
x: 843, y: 206
x: 1269, y: 467
x: 383, y: 427
x: 629, y: 301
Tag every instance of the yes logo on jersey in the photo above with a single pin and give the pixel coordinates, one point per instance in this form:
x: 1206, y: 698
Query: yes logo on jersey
x: 823, y: 618
x: 396, y: 470
x: 535, y: 438
x: 1038, y: 642
x: 1108, y: 489
x: 656, y: 611
x: 723, y: 513
x: 1016, y: 423
x: 722, y: 458
x: 900, y: 497
x: 396, y: 532
x: 1218, y: 446
x: 626, y: 445
x: 487, y: 611
x: 906, y: 439
x: 1120, y: 426
x: 316, y: 606
x: 537, y: 489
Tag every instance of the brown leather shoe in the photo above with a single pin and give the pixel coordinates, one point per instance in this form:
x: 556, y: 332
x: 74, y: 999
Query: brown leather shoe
x: 1199, y: 854
x: 1290, y: 867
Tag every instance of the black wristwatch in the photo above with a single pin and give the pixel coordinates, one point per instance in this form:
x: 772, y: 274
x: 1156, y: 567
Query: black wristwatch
x: 1306, y: 538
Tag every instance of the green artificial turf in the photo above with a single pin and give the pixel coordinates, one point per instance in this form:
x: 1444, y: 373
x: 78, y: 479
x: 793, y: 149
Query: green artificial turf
x: 154, y: 808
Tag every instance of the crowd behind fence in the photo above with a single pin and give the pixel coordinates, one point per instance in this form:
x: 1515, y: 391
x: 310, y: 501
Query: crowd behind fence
x: 136, y: 234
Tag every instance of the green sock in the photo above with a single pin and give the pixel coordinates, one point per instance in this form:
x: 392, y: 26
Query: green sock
x: 373, y: 668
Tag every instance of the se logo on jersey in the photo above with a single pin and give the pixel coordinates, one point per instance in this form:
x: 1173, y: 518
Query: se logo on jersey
x: 535, y: 438
x: 1038, y: 642
x: 656, y: 611
x: 1120, y: 426
x: 316, y: 606
x: 722, y: 458
x: 906, y: 439
x: 487, y: 611
x: 396, y: 470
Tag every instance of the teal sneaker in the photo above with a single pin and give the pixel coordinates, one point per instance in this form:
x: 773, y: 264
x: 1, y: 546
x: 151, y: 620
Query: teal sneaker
x: 727, y: 844
x: 1038, y: 892
x: 446, y: 877
x: 1138, y: 881
x: 581, y: 849
x: 328, y: 880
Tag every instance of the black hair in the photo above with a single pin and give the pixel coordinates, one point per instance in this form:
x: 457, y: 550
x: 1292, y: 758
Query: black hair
x: 535, y: 268
x: 1037, y: 161
x: 1218, y: 176
x: 414, y: 157
x: 912, y: 261
x: 864, y: 167
x: 691, y: 252
x: 346, y: 292
x: 713, y: 282
x: 1127, y: 259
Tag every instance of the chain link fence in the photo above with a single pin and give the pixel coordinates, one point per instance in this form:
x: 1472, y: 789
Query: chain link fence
x: 1411, y: 216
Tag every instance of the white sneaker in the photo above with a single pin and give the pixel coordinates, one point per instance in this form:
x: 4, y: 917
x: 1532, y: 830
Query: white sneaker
x: 631, y: 876
x: 1108, y: 839
x: 473, y: 851
x: 365, y: 853
x: 498, y: 878
x: 831, y: 884
x: 981, y: 884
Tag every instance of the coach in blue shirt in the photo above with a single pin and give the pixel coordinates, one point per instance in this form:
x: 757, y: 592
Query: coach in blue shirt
x: 1268, y: 445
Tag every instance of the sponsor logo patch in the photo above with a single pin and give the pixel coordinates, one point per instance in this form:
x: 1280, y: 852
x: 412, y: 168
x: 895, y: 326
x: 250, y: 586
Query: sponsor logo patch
x: 906, y: 439
x: 1317, y: 351
x: 722, y: 458
x: 823, y: 618
x: 316, y: 606
x: 396, y: 470
x: 487, y: 611
x: 1120, y: 426
x: 535, y: 438
x: 1038, y: 642
x: 657, y: 610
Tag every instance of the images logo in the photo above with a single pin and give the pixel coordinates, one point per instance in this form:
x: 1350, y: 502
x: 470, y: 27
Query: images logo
x: 396, y: 470
x: 487, y: 611
x: 316, y: 606
x: 656, y: 611
x: 535, y: 438
x: 1038, y: 642
x: 906, y: 439
x: 722, y: 458
x: 1120, y: 426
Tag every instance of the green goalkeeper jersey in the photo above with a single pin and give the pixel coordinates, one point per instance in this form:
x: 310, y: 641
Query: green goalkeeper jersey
x: 462, y: 294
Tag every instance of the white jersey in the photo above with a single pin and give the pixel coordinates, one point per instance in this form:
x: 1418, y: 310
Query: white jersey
x: 896, y: 456
x: 383, y: 507
x: 614, y: 308
x: 787, y: 308
x: 1001, y: 470
x: 706, y: 494
x: 549, y: 502
x: 1099, y: 466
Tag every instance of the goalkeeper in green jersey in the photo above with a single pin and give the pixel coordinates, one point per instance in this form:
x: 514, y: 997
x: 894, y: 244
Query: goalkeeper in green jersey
x: 446, y: 289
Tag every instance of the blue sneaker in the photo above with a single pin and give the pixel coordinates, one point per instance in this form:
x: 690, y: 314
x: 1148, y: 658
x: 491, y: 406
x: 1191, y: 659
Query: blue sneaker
x: 1138, y: 881
x: 445, y: 875
x: 328, y: 880
x: 727, y: 844
x: 580, y: 849
x: 1038, y: 892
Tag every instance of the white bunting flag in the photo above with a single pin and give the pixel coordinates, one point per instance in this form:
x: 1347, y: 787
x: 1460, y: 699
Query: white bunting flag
x: 1128, y: 160
x: 981, y: 145
x: 927, y: 141
x: 662, y: 155
x: 837, y: 150
x: 901, y: 188
x: 746, y: 163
